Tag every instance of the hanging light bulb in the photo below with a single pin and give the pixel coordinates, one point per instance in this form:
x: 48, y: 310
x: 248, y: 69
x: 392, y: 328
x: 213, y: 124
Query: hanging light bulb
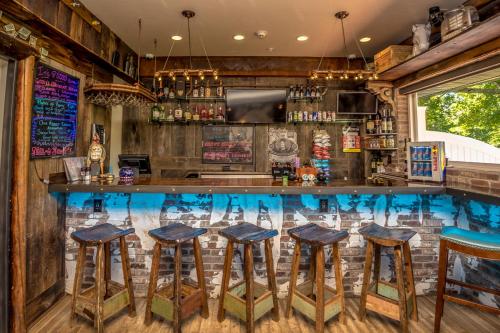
x: 171, y: 74
x: 159, y: 79
x: 375, y: 76
x: 186, y: 74
x: 173, y: 78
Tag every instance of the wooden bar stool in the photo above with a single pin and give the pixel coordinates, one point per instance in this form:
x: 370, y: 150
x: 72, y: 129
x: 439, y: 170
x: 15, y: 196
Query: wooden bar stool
x: 248, y: 300
x: 313, y: 298
x: 106, y: 297
x: 394, y: 301
x: 178, y: 300
x: 472, y: 243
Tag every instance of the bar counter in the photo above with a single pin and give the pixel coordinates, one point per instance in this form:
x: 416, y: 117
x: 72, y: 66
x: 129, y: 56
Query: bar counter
x: 242, y: 186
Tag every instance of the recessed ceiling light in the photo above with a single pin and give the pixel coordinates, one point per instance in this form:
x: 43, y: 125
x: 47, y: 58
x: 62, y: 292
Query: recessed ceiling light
x: 302, y: 38
x: 365, y: 39
x: 238, y: 37
x: 176, y: 37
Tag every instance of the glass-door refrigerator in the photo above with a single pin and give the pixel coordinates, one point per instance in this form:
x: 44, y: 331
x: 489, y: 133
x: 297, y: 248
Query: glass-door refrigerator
x: 426, y: 161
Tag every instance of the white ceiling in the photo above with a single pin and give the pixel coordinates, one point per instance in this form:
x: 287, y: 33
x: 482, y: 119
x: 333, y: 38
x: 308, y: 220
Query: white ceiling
x: 385, y: 21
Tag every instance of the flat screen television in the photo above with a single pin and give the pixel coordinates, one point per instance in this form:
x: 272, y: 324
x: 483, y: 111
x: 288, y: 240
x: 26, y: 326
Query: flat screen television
x: 257, y: 106
x: 356, y: 102
x: 135, y: 161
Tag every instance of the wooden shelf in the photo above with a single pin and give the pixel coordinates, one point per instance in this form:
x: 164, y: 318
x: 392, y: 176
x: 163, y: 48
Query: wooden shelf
x: 474, y: 36
x: 381, y: 134
x: 184, y: 122
x: 377, y: 149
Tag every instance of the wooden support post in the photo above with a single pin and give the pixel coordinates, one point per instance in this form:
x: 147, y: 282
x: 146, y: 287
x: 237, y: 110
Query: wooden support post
x: 293, y: 278
x: 127, y: 276
x: 201, y: 277
x: 320, y: 290
x: 99, y: 288
x: 409, y: 278
x: 153, y: 281
x: 77, y: 285
x: 271, y: 279
x: 403, y: 316
x: 339, y: 285
x: 107, y: 268
x: 366, y: 279
x: 177, y: 290
x: 376, y: 266
x: 443, y: 266
x: 249, y: 295
x: 20, y: 172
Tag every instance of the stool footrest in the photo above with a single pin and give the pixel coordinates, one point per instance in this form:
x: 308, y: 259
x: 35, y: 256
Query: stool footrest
x: 116, y: 300
x: 235, y: 302
x: 163, y: 300
x: 385, y: 300
x: 303, y: 300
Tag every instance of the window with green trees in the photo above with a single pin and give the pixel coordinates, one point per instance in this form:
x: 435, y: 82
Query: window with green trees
x: 472, y: 111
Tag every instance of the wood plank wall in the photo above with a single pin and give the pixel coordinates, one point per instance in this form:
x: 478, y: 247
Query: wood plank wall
x: 175, y: 149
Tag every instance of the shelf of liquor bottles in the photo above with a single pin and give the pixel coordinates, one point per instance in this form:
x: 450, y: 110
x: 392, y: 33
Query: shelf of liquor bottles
x: 335, y: 121
x: 187, y: 122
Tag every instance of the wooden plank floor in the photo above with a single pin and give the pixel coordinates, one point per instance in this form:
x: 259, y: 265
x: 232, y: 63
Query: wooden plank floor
x: 456, y: 319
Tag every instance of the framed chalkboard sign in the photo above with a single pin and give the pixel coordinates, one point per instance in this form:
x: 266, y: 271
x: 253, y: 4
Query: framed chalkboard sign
x: 54, y: 113
x: 228, y: 144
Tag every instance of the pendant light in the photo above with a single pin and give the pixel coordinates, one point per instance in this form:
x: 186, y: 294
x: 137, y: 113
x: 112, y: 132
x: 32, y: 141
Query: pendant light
x: 344, y: 74
x: 190, y: 72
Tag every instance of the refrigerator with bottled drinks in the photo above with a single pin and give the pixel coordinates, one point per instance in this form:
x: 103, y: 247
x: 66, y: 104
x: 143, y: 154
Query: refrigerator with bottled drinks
x: 426, y: 161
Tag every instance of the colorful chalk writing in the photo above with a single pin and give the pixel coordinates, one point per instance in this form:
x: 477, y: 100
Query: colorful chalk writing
x: 54, y: 113
x: 228, y: 144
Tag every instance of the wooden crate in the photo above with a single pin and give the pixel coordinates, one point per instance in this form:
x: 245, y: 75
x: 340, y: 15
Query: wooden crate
x: 163, y: 301
x: 391, y: 56
x: 235, y: 303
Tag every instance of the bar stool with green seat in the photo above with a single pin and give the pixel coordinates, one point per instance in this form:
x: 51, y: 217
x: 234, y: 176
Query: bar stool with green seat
x: 472, y: 243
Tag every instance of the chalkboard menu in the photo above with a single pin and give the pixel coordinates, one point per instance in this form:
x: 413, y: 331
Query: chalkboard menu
x: 228, y: 144
x: 54, y: 113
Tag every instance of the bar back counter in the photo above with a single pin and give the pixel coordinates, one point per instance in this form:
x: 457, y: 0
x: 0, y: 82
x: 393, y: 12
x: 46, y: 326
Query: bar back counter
x: 217, y: 203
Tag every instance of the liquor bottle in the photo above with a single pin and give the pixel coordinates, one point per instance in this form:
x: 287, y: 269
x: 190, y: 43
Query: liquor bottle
x: 313, y: 92
x: 160, y: 93
x: 291, y: 93
x: 196, y: 114
x: 296, y: 92
x: 211, y: 112
x: 202, y: 90
x: 299, y: 116
x: 389, y: 125
x: 301, y: 92
x: 208, y: 91
x: 196, y: 92
x: 204, y: 113
x: 373, y: 165
x: 220, y: 113
x: 289, y: 117
x: 188, y: 116
x: 171, y: 92
x: 220, y: 89
x: 178, y: 112
x: 170, y: 116
x: 370, y: 125
x: 377, y: 124
x: 163, y: 116
x: 308, y: 92
x: 155, y: 113
x: 384, y: 125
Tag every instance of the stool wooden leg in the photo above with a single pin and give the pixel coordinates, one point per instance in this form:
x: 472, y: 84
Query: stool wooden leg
x: 376, y: 265
x: 312, y: 266
x: 107, y: 268
x: 339, y: 285
x: 226, y: 276
x: 127, y: 276
x: 249, y: 295
x: 403, y: 316
x: 177, y: 289
x: 409, y: 278
x: 77, y: 285
x: 200, y: 275
x: 293, y: 278
x: 366, y: 279
x: 99, y: 288
x: 153, y: 281
x: 443, y: 266
x: 271, y: 279
x: 320, y: 290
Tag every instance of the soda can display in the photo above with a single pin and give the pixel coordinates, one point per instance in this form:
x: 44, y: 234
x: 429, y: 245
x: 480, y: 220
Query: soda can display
x: 420, y: 169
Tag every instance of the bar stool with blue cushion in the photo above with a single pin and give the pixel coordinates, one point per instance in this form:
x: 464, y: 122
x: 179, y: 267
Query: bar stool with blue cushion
x: 472, y: 243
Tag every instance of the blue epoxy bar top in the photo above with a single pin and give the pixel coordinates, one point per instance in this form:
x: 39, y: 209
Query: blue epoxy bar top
x: 481, y: 240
